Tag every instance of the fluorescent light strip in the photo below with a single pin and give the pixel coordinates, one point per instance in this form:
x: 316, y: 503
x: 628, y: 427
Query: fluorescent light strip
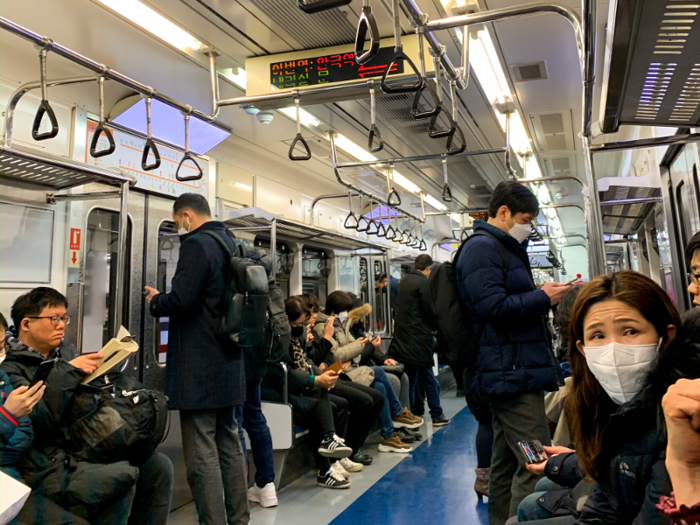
x: 306, y: 118
x: 154, y: 23
x: 244, y: 186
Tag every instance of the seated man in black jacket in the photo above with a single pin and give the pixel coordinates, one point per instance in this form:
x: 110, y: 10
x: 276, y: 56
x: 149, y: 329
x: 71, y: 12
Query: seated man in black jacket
x: 97, y: 493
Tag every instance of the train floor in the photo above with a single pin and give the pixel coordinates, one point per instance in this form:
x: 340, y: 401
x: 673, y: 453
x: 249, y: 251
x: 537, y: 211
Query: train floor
x: 433, y: 484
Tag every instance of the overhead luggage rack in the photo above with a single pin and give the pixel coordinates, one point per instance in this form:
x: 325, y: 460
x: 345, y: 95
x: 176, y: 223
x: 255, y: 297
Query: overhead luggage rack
x: 652, y: 73
x: 31, y: 169
x: 626, y: 202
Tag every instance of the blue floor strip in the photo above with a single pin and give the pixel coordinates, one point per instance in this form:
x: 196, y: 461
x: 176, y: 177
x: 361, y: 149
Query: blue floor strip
x: 433, y: 485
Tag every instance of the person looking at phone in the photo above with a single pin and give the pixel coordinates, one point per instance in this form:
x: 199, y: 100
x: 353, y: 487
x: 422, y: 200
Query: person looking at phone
x: 40, y: 318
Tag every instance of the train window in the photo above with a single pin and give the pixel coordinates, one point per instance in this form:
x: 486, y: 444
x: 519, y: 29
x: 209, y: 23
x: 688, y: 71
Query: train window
x: 363, y: 279
x: 316, y: 267
x: 168, y: 254
x: 100, y: 274
x: 28, y: 231
x: 683, y: 208
x: 346, y: 274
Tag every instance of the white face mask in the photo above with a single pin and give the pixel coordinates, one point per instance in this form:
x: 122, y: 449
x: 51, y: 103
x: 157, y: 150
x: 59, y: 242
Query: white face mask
x: 342, y: 317
x: 519, y: 232
x: 620, y: 368
x: 185, y: 229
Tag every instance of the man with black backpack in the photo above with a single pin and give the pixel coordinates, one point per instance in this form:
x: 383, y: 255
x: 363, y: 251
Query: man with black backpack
x: 205, y: 377
x: 514, y: 361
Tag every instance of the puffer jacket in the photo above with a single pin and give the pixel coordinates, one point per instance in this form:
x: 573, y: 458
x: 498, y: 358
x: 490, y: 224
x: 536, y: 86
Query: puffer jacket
x: 16, y: 433
x: 515, y: 353
x: 48, y: 466
x: 345, y: 348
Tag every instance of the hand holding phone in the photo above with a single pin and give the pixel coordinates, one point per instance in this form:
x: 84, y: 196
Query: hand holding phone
x: 43, y: 371
x: 533, y: 451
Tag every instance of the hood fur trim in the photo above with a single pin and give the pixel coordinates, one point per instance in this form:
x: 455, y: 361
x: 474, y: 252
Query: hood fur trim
x: 357, y: 314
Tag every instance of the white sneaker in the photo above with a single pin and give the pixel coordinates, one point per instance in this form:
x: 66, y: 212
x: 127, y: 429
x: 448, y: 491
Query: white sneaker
x: 338, y: 467
x: 350, y: 465
x: 266, y: 496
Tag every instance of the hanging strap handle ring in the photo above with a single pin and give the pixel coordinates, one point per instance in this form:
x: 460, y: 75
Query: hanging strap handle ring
x: 44, y: 106
x: 417, y: 114
x: 393, y: 198
x: 351, y: 220
x: 299, y: 138
x: 188, y: 156
x: 374, y: 132
x: 373, y: 228
x: 362, y: 222
x: 101, y: 128
x: 381, y: 229
x: 400, y: 56
x: 449, y: 150
x: 433, y: 131
x: 366, y: 25
x: 321, y: 5
x: 422, y: 246
x: 150, y: 146
x: 446, y: 191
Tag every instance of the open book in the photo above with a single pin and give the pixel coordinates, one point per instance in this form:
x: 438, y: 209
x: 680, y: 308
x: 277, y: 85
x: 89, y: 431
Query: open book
x: 114, y: 352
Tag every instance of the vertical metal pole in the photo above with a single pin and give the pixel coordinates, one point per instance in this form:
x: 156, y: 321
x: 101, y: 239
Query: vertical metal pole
x: 120, y: 280
x: 509, y: 167
x: 273, y: 247
x: 594, y: 220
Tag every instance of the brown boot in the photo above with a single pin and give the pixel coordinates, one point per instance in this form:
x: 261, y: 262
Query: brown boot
x: 481, y: 484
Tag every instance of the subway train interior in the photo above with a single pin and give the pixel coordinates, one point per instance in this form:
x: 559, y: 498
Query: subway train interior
x: 345, y: 137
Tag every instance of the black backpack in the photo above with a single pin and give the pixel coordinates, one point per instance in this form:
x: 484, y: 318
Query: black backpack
x: 247, y: 297
x: 457, y: 327
x: 114, y: 418
x: 278, y: 331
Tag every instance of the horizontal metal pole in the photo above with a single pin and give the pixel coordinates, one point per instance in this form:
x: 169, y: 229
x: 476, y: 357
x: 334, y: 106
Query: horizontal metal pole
x: 418, y: 158
x: 52, y: 198
x: 553, y: 178
x: 101, y: 69
x: 162, y: 142
x: 577, y: 244
x: 555, y: 206
x: 329, y: 196
x: 646, y: 143
x: 641, y: 200
x: 249, y: 228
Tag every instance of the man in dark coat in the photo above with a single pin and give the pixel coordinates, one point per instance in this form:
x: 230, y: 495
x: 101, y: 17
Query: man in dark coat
x: 205, y: 380
x: 71, y: 490
x: 414, y: 340
x: 515, y: 361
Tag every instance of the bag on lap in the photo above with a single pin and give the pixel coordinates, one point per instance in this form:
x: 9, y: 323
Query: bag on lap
x: 114, y: 418
x: 247, y: 296
x: 457, y: 327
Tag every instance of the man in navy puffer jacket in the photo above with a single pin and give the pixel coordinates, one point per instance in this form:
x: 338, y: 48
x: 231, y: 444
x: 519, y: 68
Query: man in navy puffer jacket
x: 515, y: 361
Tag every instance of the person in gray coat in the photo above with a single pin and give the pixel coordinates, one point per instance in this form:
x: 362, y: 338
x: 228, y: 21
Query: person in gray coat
x: 205, y: 381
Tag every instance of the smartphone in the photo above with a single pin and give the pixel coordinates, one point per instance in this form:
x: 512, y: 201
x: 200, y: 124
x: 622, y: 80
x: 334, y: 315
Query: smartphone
x: 336, y: 367
x: 43, y: 371
x: 533, y: 451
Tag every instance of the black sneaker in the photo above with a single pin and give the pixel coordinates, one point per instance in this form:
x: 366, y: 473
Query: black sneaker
x: 361, y: 457
x: 332, y: 480
x: 405, y: 436
x: 441, y: 421
x: 417, y: 435
x: 334, y: 447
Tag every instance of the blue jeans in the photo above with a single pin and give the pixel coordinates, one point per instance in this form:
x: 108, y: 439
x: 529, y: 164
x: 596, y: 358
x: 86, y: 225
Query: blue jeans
x: 432, y: 388
x: 529, y: 508
x: 392, y: 406
x: 251, y: 418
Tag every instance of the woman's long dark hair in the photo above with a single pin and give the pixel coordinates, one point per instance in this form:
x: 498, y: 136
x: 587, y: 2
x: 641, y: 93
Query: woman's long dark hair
x: 338, y: 302
x: 588, y: 400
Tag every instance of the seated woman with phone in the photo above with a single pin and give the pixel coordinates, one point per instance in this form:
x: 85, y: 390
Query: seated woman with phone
x: 627, y: 347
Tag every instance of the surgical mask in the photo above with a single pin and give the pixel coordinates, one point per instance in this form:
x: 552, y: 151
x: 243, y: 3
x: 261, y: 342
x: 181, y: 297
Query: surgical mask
x: 184, y: 230
x: 3, y: 354
x: 519, y: 232
x: 620, y: 368
x: 342, y: 317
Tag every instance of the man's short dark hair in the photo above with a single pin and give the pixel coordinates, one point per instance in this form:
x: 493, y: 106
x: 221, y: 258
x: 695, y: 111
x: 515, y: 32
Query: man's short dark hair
x: 3, y: 323
x: 294, y: 307
x: 311, y: 302
x: 423, y: 261
x: 693, y: 244
x: 516, y: 196
x: 338, y: 302
x: 193, y: 202
x: 380, y: 277
x: 32, y: 303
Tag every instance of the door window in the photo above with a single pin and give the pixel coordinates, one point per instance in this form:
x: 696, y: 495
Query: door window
x: 168, y: 254
x: 100, y: 276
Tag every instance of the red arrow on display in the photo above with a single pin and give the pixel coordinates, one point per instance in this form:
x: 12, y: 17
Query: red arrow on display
x: 74, y: 258
x: 375, y: 70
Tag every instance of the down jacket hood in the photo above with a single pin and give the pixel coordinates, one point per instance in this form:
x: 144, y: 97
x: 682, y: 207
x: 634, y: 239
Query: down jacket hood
x: 358, y: 314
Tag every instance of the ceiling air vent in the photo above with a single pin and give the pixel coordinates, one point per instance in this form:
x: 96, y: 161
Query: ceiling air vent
x: 553, y: 131
x: 529, y: 71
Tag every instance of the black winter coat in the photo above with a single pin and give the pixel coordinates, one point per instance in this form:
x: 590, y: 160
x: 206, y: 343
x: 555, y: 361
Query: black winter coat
x: 201, y: 374
x: 515, y: 353
x: 414, y: 322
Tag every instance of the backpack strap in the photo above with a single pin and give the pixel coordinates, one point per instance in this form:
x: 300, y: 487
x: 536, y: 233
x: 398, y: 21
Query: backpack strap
x: 502, y: 250
x: 236, y: 242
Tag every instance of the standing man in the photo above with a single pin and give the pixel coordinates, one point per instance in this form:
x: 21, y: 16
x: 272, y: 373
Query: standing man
x: 380, y: 288
x: 414, y: 343
x: 515, y: 361
x: 205, y: 380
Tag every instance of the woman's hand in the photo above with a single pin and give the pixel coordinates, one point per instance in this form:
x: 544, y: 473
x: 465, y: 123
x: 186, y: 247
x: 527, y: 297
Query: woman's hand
x: 329, y: 329
x: 389, y: 361
x: 327, y: 380
x: 21, y: 400
x: 538, y: 468
x: 377, y: 342
x: 363, y: 340
x: 681, y: 406
x: 309, y: 337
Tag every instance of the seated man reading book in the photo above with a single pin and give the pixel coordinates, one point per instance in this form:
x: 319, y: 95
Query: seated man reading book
x: 117, y: 493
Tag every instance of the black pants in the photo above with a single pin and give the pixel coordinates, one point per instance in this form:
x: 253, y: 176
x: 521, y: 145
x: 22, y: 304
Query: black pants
x: 330, y: 414
x: 365, y: 404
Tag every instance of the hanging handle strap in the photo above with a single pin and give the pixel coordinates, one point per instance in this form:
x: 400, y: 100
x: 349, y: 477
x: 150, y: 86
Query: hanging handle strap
x: 362, y: 222
x: 101, y: 128
x: 150, y: 146
x: 446, y: 191
x: 381, y: 229
x: 400, y: 56
x: 351, y: 220
x: 374, y: 133
x: 435, y: 109
x: 188, y: 156
x: 366, y: 25
x: 321, y: 5
x: 44, y: 106
x: 299, y: 139
x: 449, y: 150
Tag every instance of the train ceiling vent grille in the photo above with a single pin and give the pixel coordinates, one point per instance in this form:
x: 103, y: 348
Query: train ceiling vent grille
x: 689, y: 99
x: 628, y: 218
x: 324, y: 29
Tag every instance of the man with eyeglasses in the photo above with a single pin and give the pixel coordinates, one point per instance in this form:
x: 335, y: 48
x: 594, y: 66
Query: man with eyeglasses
x: 105, y: 495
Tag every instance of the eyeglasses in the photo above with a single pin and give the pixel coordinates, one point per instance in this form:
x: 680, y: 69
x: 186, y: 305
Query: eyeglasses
x: 56, y: 319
